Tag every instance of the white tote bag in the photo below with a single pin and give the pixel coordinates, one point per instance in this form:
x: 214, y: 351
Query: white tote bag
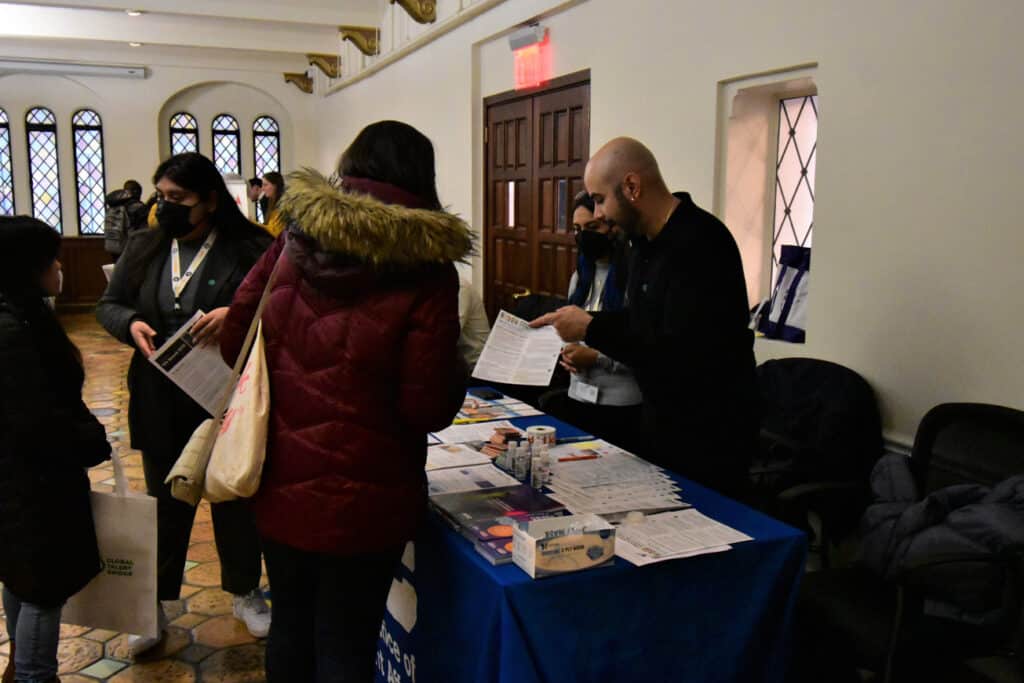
x: 236, y: 462
x: 122, y: 597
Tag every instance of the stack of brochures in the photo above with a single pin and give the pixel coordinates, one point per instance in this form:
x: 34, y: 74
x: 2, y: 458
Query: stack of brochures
x: 599, y: 478
x: 488, y: 518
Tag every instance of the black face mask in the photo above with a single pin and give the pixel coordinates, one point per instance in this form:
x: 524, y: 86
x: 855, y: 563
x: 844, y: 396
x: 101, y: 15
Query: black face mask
x: 593, y: 245
x: 174, y: 218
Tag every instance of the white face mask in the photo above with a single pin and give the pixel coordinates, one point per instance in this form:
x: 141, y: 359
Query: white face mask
x: 60, y: 281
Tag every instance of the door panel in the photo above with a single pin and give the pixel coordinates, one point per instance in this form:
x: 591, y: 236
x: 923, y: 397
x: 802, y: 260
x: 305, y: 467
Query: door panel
x: 537, y: 148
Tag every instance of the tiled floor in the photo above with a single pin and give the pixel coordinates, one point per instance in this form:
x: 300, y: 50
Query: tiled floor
x: 205, y: 644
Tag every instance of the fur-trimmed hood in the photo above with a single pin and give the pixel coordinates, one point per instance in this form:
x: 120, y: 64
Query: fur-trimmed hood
x: 368, y: 230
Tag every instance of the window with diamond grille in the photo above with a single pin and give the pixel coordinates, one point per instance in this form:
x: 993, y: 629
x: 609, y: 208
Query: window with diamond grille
x: 184, y: 133
x: 266, y: 144
x: 43, y: 171
x: 6, y: 168
x: 90, y: 183
x: 227, y: 144
x: 794, y: 175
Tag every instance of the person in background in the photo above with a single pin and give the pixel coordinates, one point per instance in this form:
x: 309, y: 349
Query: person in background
x: 48, y: 437
x: 255, y: 189
x: 473, y: 324
x: 125, y: 214
x: 361, y: 328
x: 273, y: 190
x: 604, y: 397
x: 684, y: 329
x: 193, y: 261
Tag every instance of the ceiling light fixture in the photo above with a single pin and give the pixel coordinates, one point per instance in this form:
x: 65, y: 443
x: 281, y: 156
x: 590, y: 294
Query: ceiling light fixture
x: 134, y: 12
x: 135, y: 44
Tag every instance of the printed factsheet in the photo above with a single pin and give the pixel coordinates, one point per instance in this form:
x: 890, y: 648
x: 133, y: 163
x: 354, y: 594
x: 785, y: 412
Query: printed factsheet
x: 515, y: 353
x: 197, y: 369
x: 672, y: 535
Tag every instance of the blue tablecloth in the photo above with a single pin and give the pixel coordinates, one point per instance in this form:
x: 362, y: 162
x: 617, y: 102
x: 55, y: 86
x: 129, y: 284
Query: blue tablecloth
x: 721, y: 617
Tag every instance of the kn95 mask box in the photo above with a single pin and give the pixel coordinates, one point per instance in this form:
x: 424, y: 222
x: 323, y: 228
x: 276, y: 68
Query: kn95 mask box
x: 558, y: 545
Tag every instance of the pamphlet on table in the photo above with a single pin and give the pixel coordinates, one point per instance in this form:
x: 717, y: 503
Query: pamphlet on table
x: 515, y: 353
x: 673, y: 535
x: 463, y: 479
x: 197, y: 369
x: 476, y: 409
x: 466, y: 433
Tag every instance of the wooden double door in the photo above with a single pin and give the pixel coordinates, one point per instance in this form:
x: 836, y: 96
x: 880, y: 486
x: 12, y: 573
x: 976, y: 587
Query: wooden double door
x: 536, y: 148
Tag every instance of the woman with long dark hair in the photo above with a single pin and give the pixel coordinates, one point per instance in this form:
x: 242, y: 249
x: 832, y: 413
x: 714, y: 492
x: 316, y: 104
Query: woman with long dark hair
x: 194, y: 261
x: 360, y: 328
x: 47, y: 438
x: 273, y: 190
x: 604, y: 397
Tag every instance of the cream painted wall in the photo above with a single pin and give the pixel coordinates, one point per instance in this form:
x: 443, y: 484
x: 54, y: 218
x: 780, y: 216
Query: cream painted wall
x: 135, y: 133
x: 918, y: 236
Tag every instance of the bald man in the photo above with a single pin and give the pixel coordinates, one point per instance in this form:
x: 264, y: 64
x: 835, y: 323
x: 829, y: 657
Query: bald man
x: 684, y: 328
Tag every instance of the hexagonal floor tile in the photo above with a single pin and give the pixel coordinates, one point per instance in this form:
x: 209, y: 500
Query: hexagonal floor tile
x: 75, y: 654
x: 211, y: 602
x: 221, y: 632
x: 203, y: 552
x: 243, y: 664
x: 166, y: 671
x: 72, y: 631
x: 206, y: 574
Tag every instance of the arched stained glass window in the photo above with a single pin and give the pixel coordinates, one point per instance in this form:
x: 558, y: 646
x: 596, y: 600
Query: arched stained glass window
x: 266, y: 144
x: 43, y: 169
x: 6, y: 168
x: 90, y: 183
x: 184, y: 133
x: 227, y: 144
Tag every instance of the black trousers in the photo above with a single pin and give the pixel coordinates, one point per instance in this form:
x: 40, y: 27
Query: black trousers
x: 327, y: 614
x: 234, y: 528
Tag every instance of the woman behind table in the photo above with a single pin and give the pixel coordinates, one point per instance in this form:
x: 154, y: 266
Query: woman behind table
x: 194, y: 261
x: 604, y: 398
x: 47, y: 438
x: 361, y: 329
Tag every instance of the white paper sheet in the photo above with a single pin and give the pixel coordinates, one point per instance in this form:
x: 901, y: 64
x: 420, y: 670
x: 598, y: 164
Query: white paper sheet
x: 672, y: 535
x: 198, y: 370
x: 454, y: 455
x: 517, y: 354
x: 462, y: 479
x: 480, y: 431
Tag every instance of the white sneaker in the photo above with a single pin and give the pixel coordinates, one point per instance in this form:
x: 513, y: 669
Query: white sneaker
x: 139, y: 645
x: 255, y: 612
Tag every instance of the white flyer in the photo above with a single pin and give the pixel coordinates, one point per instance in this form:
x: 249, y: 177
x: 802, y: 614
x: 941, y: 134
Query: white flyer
x: 197, y: 369
x: 446, y: 456
x: 477, y: 431
x: 672, y: 535
x: 463, y: 479
x: 515, y: 353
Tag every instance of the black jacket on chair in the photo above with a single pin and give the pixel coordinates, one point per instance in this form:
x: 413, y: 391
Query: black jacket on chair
x: 48, y: 437
x: 160, y: 416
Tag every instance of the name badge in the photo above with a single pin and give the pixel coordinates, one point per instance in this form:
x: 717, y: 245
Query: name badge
x: 587, y: 392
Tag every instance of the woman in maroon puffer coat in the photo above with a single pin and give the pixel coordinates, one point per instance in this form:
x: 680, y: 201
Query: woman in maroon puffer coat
x: 360, y: 330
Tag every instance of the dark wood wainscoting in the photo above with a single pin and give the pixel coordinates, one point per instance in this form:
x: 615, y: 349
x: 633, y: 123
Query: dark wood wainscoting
x: 84, y: 282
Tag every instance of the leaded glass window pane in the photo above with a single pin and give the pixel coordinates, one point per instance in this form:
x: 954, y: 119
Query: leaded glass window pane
x: 794, y: 175
x: 89, y: 177
x: 6, y: 169
x: 44, y: 173
x: 265, y: 124
x: 227, y: 144
x: 184, y: 133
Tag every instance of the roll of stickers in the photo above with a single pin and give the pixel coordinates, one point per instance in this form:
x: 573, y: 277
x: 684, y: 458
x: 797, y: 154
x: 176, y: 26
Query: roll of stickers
x: 541, y: 434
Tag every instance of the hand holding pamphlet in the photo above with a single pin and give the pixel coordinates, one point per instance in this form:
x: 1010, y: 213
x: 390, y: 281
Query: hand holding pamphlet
x: 196, y: 368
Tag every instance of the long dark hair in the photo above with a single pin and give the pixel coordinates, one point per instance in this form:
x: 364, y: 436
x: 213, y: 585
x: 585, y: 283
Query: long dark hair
x: 277, y: 180
x: 396, y: 153
x: 613, y: 296
x: 28, y: 247
x: 195, y: 173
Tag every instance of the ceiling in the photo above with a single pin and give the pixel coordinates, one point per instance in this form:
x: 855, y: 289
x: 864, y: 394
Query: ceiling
x: 281, y: 28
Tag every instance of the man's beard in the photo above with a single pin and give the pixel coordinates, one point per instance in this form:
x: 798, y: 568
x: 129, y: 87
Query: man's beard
x: 629, y: 218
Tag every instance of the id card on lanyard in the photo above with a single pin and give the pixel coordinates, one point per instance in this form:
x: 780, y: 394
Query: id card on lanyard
x: 180, y: 281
